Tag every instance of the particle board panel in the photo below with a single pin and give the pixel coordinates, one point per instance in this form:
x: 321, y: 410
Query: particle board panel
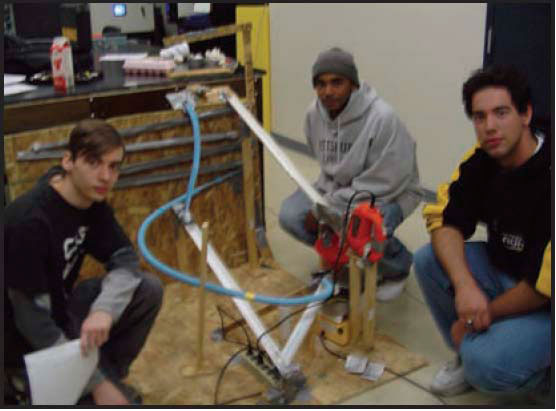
x: 160, y: 370
x: 222, y: 205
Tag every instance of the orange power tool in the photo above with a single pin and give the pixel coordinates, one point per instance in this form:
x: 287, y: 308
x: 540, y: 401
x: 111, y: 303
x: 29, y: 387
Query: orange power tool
x: 365, y: 236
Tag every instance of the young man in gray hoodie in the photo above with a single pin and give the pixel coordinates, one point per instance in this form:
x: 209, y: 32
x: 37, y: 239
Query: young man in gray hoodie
x: 360, y: 144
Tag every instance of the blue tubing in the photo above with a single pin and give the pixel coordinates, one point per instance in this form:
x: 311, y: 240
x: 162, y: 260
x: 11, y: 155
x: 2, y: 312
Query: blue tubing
x: 196, y: 153
x: 188, y: 279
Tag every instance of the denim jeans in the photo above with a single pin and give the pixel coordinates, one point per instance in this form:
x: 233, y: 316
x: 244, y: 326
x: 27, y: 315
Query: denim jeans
x: 395, y: 264
x: 513, y: 354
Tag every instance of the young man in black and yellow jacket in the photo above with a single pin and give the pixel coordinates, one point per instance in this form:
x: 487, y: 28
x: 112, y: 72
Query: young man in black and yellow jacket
x: 491, y: 300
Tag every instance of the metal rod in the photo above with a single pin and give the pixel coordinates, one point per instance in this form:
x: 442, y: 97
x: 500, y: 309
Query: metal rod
x: 135, y: 147
x: 133, y: 131
x: 173, y: 160
x: 161, y: 177
x: 179, y: 141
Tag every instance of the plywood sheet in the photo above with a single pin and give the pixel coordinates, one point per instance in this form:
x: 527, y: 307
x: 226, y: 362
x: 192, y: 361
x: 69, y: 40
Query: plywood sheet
x: 158, y: 372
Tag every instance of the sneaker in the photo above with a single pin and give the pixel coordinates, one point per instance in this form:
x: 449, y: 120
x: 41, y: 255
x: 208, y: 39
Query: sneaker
x: 450, y: 380
x: 389, y: 290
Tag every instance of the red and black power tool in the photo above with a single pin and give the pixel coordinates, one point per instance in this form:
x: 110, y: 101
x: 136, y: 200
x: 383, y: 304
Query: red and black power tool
x: 365, y: 236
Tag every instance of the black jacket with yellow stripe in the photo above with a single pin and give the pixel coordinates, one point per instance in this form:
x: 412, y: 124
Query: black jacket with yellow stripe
x: 514, y: 204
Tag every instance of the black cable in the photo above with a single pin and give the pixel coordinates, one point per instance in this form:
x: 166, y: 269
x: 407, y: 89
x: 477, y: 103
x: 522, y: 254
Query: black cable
x: 328, y: 350
x: 222, y: 373
x: 243, y: 397
x: 402, y: 376
x: 281, y: 321
x: 221, y: 311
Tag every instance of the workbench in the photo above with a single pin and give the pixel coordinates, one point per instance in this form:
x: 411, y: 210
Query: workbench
x: 109, y: 97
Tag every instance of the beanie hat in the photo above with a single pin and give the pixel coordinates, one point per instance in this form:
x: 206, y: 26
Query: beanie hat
x: 337, y: 61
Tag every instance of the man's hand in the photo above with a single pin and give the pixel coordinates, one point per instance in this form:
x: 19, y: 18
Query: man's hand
x: 106, y: 393
x: 95, y: 330
x: 458, y: 331
x: 311, y: 223
x: 472, y: 304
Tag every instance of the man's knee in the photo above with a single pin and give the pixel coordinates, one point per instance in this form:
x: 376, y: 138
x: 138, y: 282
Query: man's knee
x: 151, y: 290
x: 287, y: 216
x: 488, y: 371
x: 423, y: 259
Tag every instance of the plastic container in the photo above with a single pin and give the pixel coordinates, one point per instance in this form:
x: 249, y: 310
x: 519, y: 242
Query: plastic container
x: 62, y: 64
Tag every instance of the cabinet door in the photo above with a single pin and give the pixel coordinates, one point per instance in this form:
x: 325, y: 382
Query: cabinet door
x: 519, y: 34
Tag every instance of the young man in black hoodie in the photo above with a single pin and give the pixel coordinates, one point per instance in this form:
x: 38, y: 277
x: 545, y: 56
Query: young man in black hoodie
x: 48, y: 231
x: 491, y: 301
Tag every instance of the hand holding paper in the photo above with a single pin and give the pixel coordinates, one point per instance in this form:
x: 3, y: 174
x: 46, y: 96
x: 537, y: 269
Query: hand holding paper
x: 58, y: 375
x: 95, y: 330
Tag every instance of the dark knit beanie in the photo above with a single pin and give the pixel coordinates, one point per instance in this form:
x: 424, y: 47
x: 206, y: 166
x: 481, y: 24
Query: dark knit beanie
x: 337, y: 61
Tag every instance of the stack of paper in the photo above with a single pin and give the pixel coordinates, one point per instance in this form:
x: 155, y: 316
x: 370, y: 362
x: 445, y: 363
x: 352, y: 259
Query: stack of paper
x: 13, y: 84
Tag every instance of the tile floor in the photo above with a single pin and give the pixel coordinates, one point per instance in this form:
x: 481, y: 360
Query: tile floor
x: 407, y: 318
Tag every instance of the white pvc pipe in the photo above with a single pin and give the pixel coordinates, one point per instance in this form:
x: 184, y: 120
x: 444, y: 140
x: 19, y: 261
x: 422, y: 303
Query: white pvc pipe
x: 224, y: 276
x: 274, y: 149
x: 301, y: 329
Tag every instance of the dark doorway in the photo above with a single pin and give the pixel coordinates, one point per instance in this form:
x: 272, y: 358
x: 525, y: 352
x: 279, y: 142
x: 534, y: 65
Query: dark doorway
x: 521, y: 34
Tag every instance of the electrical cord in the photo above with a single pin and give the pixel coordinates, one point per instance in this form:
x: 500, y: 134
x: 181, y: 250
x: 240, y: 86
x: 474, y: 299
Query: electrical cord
x: 243, y: 397
x: 219, y: 380
x: 221, y: 311
x: 402, y: 376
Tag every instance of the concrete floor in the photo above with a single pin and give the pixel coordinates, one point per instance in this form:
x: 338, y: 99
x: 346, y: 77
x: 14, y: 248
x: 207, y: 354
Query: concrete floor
x: 407, y: 318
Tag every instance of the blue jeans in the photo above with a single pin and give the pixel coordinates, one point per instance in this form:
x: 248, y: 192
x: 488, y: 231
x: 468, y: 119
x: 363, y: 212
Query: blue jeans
x: 395, y: 264
x: 514, y: 353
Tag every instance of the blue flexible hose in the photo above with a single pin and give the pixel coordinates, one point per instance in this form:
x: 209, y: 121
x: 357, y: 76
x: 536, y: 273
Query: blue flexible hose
x: 196, y: 153
x: 191, y: 192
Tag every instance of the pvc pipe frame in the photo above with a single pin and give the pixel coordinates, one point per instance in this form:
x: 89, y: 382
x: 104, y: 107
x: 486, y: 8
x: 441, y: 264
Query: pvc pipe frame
x: 282, y: 360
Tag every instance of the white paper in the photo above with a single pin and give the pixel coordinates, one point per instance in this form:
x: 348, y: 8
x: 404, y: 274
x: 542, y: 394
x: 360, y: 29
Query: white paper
x: 13, y: 79
x: 373, y: 371
x: 355, y: 364
x: 58, y: 375
x: 123, y: 56
x: 17, y: 88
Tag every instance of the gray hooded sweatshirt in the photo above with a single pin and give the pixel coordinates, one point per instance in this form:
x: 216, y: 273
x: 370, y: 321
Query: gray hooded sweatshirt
x: 366, y: 147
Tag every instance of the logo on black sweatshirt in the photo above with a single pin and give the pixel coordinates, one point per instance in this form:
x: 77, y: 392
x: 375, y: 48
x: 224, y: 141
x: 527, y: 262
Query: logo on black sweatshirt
x: 73, y: 249
x: 513, y: 242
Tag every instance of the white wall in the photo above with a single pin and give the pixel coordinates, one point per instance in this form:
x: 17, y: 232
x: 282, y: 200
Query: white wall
x: 416, y: 56
x: 133, y: 22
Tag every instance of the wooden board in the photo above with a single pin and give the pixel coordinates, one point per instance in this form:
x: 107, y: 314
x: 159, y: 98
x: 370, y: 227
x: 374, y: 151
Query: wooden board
x: 158, y: 372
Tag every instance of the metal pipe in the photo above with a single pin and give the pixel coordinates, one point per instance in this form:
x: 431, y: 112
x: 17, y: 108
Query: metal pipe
x: 161, y: 177
x: 133, y: 131
x: 135, y: 147
x: 173, y: 160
